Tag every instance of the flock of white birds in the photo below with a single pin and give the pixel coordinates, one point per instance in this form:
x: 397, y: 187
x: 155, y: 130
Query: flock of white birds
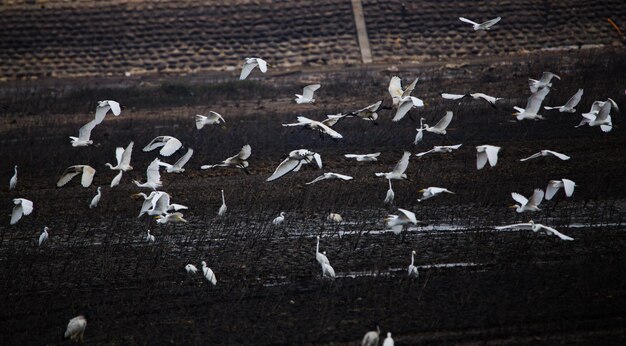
x: 158, y: 203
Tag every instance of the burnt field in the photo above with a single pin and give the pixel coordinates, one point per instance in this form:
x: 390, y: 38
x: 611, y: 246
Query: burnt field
x: 476, y: 285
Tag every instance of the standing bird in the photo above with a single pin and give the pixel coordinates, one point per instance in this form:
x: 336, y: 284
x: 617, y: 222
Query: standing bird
x: 442, y: 124
x: 482, y: 26
x: 211, y: 119
x: 320, y: 257
x: 123, y: 157
x: 153, y: 176
x: 150, y: 238
x: 327, y: 270
x: 440, y: 149
x: 476, y: 96
x: 22, y: 206
x: 388, y: 340
x: 398, y: 222
x: 96, y: 199
x: 569, y: 107
x: 533, y: 105
x: 208, y: 274
x: 390, y: 194
x: 13, y: 180
x: 545, y: 81
x: 399, y: 169
x: 76, y: 328
x: 178, y: 166
x: 330, y: 175
x: 537, y: 227
x: 294, y: 162
x: 334, y: 217
x: 43, y: 237
x: 486, y: 153
x: 249, y: 65
x: 525, y: 204
x: 222, y: 210
x: 86, y: 178
x: 316, y: 126
x: 307, y: 94
x: 279, y: 219
x: 432, y: 192
x: 84, y: 135
x: 546, y: 153
x: 104, y: 107
x: 191, y: 269
x: 555, y: 185
x: 413, y: 273
x: 237, y: 161
x: 396, y: 91
x: 371, y: 338
x: 169, y: 145
x: 363, y: 157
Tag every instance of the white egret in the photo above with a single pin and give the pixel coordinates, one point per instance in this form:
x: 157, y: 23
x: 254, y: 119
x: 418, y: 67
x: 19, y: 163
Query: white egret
x: 149, y: 201
x: 546, y: 153
x: 537, y: 227
x: 545, y: 81
x: 320, y: 257
x: 440, y: 149
x: 294, y: 162
x: 208, y: 274
x: 123, y: 157
x: 476, y: 96
x: 13, y: 180
x: 96, y: 199
x: 368, y: 113
x: 22, y: 206
x: 76, y: 328
x: 335, y: 218
x: 316, y: 126
x: 554, y: 186
x: 420, y: 132
x: 328, y: 271
x: 84, y: 135
x: 86, y: 178
x: 222, y: 210
x: 396, y: 91
x: 602, y: 118
x: 533, y: 105
x: 249, y: 65
x: 104, y: 107
x: 364, y: 157
x: 153, y: 176
x: 169, y: 145
x: 371, y: 338
x: 390, y: 194
x: 330, y: 175
x: 178, y: 166
x: 191, y: 269
x: 405, y: 104
x: 597, y: 105
x: 211, y: 119
x: 307, y: 94
x: 398, y: 222
x: 442, y: 124
x: 158, y: 203
x: 486, y: 153
x: 43, y: 237
x: 525, y: 204
x: 150, y: 238
x: 279, y: 219
x: 237, y: 161
x: 481, y: 26
x: 570, y: 105
x: 388, y: 340
x: 432, y: 192
x: 176, y: 217
x: 413, y: 272
x: 399, y: 169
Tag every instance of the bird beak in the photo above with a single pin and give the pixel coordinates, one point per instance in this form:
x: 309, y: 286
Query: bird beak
x: 158, y: 217
x: 513, y: 206
x: 422, y: 190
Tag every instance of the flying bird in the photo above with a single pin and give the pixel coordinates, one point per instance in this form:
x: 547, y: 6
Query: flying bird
x: 476, y: 96
x: 525, y: 204
x: 208, y: 274
x: 294, y: 162
x: 546, y: 153
x: 123, y: 157
x: 390, y: 194
x: 13, y: 180
x: 76, y: 328
x: 316, y: 126
x: 169, y: 145
x: 399, y: 169
x: 555, y: 185
x: 440, y: 149
x: 367, y: 113
x: 43, y: 237
x: 533, y: 105
x: 153, y: 176
x: 602, y: 118
x: 307, y: 94
x: 545, y: 81
x: 86, y: 178
x: 249, y: 65
x: 420, y: 132
x: 178, y: 166
x: 432, y: 192
x: 413, y: 273
x: 222, y: 210
x: 537, y: 227
x: 104, y: 107
x: 84, y: 135
x: 211, y: 119
x: 158, y: 203
x: 330, y: 175
x: 237, y: 161
x: 486, y: 153
x: 22, y: 206
x: 96, y: 199
x: 396, y: 91
x: 364, y: 157
x: 441, y: 126
x: 482, y: 26
x: 570, y: 105
x: 398, y: 222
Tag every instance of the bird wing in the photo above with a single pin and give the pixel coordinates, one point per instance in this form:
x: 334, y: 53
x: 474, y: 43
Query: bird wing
x: 116, y: 180
x: 604, y: 111
x: 467, y: 21
x: 408, y: 215
x: 152, y: 172
x: 403, y: 108
x: 452, y: 147
x: 340, y: 176
x: 492, y: 100
x: 283, y: 168
x: 517, y: 225
x: 200, y: 121
x: 321, y: 177
x: 101, y: 112
x: 171, y: 146
x: 115, y: 107
x: 537, y: 197
x: 445, y: 121
x: 555, y: 232
x: 119, y: 151
x: 492, y: 154
x: 424, y: 153
x: 85, y: 131
x: 17, y: 213
x: 214, y: 116
x: 308, y: 91
x: 87, y: 178
x: 534, y: 101
x: 481, y: 159
x: 533, y: 156
x: 318, y: 160
x: 519, y: 198
x: 402, y: 165
x: 452, y: 96
x: 371, y: 108
x: 126, y: 156
x: 157, y: 142
x: 409, y: 89
x: 574, y: 100
x: 262, y: 64
x: 247, y: 68
x: 245, y: 152
x: 27, y: 206
x: 329, y: 131
x: 69, y: 173
x: 184, y: 159
x: 552, y: 188
x: 491, y: 22
x: 547, y: 76
x: 395, y: 87
x: 568, y: 186
x: 559, y: 155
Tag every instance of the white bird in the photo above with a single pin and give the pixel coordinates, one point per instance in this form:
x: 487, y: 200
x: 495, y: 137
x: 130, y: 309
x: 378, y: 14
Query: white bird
x: 388, y: 340
x: 150, y: 238
x: 413, y: 272
x: 22, y: 206
x: 44, y: 236
x: 153, y: 176
x: 546, y: 153
x: 222, y: 210
x: 432, y: 192
x: 13, y: 180
x: 395, y: 89
x: 104, y: 107
x: 84, y: 135
x: 191, y: 269
x: 545, y: 81
x: 96, y: 199
x: 533, y: 105
x: 364, y: 157
x: 76, y: 328
x: 328, y: 271
x: 294, y: 162
x: 211, y: 119
x: 441, y: 126
x: 149, y: 201
x: 86, y: 178
x: 330, y: 175
x: 537, y: 227
x: 316, y: 126
x: 320, y: 257
x: 371, y: 338
x: 123, y: 157
x: 279, y: 219
x: 398, y: 222
x: 597, y: 105
x: 176, y: 217
x: 602, y: 118
x: 178, y: 166
x: 367, y: 113
x: 334, y: 217
x: 307, y: 94
x: 249, y: 65
x: 482, y: 26
x: 208, y: 274
x: 420, y: 132
x: 158, y: 203
x: 399, y: 169
x: 390, y: 194
x: 237, y: 161
x: 440, y: 149
x: 405, y: 104
x: 525, y: 204
x: 169, y: 145
x: 569, y: 107
x: 476, y: 96
x: 554, y: 186
x: 486, y: 153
